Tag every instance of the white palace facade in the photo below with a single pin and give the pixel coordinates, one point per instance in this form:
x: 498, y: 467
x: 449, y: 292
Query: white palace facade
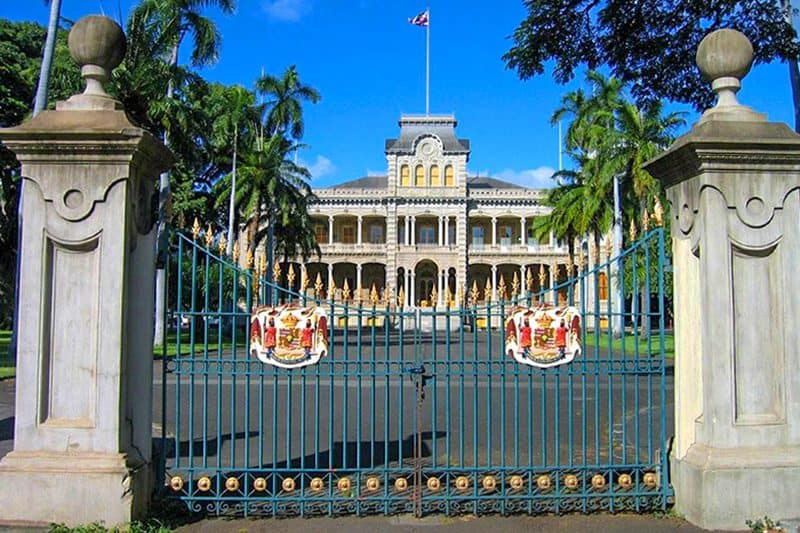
x: 427, y: 230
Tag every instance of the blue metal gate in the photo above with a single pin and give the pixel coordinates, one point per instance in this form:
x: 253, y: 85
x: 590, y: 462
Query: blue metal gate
x: 413, y: 410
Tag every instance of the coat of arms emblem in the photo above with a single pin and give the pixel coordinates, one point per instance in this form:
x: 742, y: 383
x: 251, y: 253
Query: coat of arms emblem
x: 289, y: 336
x: 544, y: 336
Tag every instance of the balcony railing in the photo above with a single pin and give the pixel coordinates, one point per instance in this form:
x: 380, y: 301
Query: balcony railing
x: 343, y: 247
x: 508, y: 248
x: 474, y: 248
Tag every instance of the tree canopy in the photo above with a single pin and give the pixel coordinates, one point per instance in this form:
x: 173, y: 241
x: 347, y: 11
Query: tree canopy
x: 649, y: 44
x: 204, y: 121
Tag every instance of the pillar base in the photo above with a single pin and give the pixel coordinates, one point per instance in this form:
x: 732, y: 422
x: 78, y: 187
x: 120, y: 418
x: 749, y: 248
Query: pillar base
x: 41, y: 487
x: 722, y: 488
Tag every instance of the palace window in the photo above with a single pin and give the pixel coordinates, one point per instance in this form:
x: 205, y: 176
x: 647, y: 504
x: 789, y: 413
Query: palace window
x: 531, y: 239
x: 477, y: 235
x: 321, y: 233
x: 427, y: 235
x: 348, y: 234
x: 419, y: 176
x: 449, y: 176
x: 405, y: 176
x: 376, y: 234
x: 435, y: 182
x: 505, y: 233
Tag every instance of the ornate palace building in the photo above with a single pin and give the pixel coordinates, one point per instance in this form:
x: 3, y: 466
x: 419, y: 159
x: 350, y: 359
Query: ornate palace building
x: 427, y: 229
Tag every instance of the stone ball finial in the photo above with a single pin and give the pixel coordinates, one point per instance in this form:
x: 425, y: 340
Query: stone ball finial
x: 98, y: 45
x: 725, y: 57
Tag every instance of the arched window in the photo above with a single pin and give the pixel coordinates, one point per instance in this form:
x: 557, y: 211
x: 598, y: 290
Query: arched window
x: 419, y: 176
x: 602, y: 286
x: 405, y: 176
x: 435, y: 182
x: 449, y: 176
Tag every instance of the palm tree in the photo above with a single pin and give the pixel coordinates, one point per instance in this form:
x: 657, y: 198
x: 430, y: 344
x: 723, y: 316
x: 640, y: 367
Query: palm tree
x: 47, y: 59
x: 270, y: 187
x: 285, y: 96
x: 235, y: 108
x: 639, y: 135
x: 175, y: 19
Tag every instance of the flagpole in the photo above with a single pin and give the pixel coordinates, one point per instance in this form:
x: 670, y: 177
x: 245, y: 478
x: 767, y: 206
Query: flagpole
x: 428, y: 64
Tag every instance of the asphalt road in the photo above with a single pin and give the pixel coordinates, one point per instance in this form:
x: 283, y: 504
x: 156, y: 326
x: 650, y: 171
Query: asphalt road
x: 361, y: 407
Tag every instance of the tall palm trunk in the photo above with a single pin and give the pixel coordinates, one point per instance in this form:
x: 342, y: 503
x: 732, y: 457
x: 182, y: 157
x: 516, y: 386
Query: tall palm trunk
x: 161, y: 285
x: 39, y: 104
x: 232, y: 206
x: 47, y: 59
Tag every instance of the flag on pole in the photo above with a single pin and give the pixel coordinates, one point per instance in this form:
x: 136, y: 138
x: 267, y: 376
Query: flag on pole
x: 420, y: 20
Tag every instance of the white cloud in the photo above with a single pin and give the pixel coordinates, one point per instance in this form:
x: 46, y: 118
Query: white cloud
x: 322, y: 166
x: 535, y: 178
x: 376, y: 172
x: 286, y: 10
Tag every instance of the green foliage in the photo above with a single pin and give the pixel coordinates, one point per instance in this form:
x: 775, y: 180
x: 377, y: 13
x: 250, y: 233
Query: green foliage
x: 762, y: 525
x: 608, y: 136
x: 284, y: 99
x: 150, y: 526
x: 204, y: 123
x: 20, y: 49
x: 648, y: 44
x: 210, y: 280
x: 7, y: 364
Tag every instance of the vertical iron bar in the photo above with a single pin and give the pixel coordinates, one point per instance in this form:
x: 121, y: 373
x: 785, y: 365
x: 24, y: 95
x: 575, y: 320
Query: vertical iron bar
x: 193, y: 359
x: 178, y: 353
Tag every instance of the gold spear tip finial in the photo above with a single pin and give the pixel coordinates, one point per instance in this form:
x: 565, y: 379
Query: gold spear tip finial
x: 222, y: 244
x: 658, y: 212
x: 632, y: 230
x: 346, y: 290
x: 318, y: 285
x: 195, y: 229
x: 262, y: 265
x: 373, y: 295
x: 249, y: 262
x: 291, y: 275
x: 209, y: 236
x: 401, y: 297
x: 434, y: 296
x: 235, y: 251
x: 276, y: 272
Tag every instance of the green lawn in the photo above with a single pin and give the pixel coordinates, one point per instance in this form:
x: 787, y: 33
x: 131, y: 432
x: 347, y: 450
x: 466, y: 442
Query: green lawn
x: 8, y: 367
x: 630, y: 344
x: 213, y: 344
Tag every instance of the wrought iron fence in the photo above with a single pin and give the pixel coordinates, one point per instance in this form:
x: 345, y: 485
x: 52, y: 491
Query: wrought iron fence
x: 412, y: 409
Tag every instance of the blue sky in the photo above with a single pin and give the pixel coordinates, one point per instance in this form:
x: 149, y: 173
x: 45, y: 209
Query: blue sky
x: 369, y: 64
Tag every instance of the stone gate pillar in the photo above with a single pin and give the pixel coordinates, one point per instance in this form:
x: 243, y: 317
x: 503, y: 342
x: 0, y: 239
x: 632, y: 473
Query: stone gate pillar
x: 82, y: 434
x: 733, y: 183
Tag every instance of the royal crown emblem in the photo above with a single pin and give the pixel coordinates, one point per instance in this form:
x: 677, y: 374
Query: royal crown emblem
x: 289, y: 336
x: 543, y: 336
